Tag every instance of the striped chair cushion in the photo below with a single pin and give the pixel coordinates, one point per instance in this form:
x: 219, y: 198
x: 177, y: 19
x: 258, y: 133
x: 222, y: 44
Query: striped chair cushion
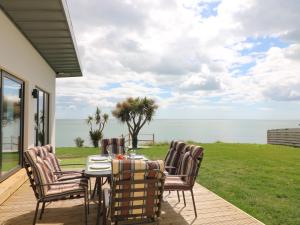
x: 104, y: 146
x: 186, y: 149
x: 67, y: 189
x: 190, y: 163
x: 117, y: 145
x: 175, y: 182
x: 54, y: 162
x: 41, y: 171
x: 170, y: 150
x: 50, y: 160
x: 44, y: 175
x: 172, y: 158
x: 49, y: 148
x: 114, y: 145
x: 143, y: 196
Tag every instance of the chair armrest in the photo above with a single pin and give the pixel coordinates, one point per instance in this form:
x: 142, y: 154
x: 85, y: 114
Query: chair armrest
x: 106, y: 194
x: 68, y: 172
x: 58, y: 183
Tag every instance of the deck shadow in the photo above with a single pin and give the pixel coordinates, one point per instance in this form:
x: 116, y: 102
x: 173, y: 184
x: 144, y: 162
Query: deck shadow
x: 64, y: 215
x: 74, y: 215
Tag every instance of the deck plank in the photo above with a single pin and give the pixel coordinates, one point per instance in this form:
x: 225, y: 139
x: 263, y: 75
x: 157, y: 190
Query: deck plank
x: 211, y: 209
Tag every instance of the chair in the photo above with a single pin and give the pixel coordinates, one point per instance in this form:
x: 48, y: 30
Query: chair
x: 117, y: 145
x: 46, y: 153
x: 187, y: 173
x: 136, y: 191
x: 173, y: 156
x: 47, y: 188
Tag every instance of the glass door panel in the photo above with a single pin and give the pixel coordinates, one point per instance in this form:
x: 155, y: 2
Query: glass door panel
x: 11, y: 123
x: 41, y: 118
x: 41, y: 134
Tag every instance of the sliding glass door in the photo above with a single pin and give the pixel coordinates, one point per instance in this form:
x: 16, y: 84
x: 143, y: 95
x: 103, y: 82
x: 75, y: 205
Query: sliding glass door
x: 11, y: 124
x: 41, y: 118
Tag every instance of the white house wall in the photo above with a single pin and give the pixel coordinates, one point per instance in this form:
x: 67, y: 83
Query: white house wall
x: 19, y: 58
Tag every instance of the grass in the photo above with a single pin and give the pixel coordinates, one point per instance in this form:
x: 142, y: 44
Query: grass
x: 9, y: 161
x: 262, y: 180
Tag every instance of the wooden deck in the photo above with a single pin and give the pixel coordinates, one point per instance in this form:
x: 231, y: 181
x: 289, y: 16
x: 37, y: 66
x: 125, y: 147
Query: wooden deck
x: 212, y: 210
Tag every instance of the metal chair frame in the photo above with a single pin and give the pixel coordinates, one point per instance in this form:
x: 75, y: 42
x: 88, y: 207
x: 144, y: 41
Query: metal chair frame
x: 44, y: 199
x: 190, y: 188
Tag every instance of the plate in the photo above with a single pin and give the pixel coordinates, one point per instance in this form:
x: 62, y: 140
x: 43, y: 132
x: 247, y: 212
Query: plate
x: 99, y: 167
x: 136, y: 157
x: 98, y: 158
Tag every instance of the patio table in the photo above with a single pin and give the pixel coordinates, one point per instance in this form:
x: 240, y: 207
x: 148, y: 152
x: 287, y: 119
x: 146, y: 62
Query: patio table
x: 100, y: 173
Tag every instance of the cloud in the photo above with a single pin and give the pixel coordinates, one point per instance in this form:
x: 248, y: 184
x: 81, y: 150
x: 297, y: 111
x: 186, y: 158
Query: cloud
x: 202, y: 51
x: 198, y: 83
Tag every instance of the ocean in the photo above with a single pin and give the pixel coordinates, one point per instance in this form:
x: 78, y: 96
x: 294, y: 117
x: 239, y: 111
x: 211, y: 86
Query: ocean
x: 205, y: 131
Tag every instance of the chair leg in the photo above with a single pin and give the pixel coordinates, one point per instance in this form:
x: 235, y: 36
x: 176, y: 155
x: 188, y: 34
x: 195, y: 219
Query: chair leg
x: 104, y: 216
x: 194, y: 202
x: 36, y: 212
x: 183, y: 198
x: 95, y: 188
x: 85, y: 208
x: 88, y: 201
x: 178, y: 196
x: 42, y: 211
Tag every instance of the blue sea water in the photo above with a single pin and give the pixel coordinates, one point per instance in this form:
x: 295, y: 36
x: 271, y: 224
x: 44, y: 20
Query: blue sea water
x: 205, y: 131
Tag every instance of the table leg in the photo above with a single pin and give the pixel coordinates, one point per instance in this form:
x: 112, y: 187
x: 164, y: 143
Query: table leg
x: 99, y: 213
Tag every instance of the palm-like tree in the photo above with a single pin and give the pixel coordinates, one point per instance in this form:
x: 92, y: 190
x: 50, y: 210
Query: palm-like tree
x: 135, y: 112
x: 97, y: 124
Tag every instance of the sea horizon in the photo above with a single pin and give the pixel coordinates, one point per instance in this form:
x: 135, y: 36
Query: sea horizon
x: 199, y: 130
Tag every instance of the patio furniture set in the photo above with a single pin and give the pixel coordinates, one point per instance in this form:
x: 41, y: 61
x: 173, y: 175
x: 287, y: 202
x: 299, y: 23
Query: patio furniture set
x: 134, y: 184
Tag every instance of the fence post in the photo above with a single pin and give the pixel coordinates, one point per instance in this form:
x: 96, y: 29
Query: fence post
x: 129, y: 140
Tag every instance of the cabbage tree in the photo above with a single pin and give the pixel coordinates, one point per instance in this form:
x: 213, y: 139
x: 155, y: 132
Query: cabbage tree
x: 135, y: 112
x: 97, y: 123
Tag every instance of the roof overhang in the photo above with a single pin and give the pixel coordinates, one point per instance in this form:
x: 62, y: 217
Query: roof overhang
x: 47, y: 26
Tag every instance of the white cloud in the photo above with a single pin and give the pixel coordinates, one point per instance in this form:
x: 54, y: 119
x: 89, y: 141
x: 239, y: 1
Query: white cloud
x: 151, y: 48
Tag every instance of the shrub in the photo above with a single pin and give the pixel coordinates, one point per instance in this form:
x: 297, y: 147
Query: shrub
x: 79, y: 142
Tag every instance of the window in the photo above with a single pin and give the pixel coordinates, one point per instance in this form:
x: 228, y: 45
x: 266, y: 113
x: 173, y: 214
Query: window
x: 11, y: 124
x: 41, y: 117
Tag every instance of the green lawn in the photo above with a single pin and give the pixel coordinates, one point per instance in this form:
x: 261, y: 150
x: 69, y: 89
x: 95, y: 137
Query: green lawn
x: 10, y: 160
x: 263, y: 180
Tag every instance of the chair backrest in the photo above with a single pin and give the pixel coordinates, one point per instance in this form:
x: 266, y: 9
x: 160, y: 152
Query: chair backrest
x: 186, y: 148
x: 137, y: 189
x: 38, y: 172
x: 170, y: 149
x: 190, y: 164
x: 46, y: 153
x: 117, y: 145
x: 172, y: 158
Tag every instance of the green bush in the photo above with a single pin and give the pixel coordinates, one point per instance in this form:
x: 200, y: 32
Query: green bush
x: 79, y: 142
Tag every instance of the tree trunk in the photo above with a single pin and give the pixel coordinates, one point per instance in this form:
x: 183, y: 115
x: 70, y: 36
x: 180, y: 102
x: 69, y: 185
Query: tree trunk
x: 134, y: 141
x: 96, y: 143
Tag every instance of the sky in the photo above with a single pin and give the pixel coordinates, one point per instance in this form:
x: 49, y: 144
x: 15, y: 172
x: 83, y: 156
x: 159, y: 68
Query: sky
x: 199, y: 59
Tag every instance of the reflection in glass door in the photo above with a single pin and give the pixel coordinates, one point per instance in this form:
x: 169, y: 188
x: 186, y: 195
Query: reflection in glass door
x: 41, y: 118
x: 11, y: 122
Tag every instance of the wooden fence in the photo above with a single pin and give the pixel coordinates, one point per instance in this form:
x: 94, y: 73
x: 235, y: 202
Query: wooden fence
x: 289, y: 136
x: 142, y: 138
